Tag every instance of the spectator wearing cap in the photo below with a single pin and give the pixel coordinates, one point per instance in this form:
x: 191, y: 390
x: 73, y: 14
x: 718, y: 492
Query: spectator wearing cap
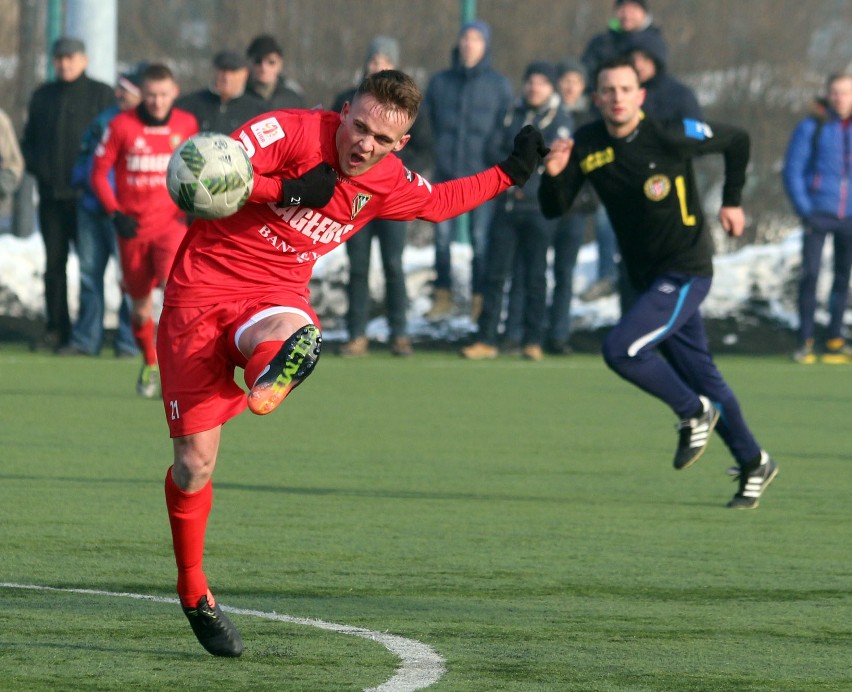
x: 266, y: 77
x: 96, y: 241
x: 520, y: 235
x: 59, y: 112
x: 382, y: 54
x: 666, y: 98
x: 465, y: 105
x: 225, y: 104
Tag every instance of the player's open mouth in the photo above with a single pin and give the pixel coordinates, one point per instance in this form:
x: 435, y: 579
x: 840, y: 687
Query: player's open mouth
x: 355, y: 160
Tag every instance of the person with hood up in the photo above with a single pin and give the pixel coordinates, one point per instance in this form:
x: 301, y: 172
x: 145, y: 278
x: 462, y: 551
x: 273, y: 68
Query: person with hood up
x: 465, y: 105
x: 666, y: 98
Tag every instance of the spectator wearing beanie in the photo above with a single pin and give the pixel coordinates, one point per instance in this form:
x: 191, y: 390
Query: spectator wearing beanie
x: 382, y: 54
x: 266, y: 78
x: 519, y: 235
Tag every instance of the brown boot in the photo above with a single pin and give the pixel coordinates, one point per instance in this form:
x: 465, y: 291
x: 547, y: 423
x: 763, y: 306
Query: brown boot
x: 356, y: 348
x: 442, y: 304
x: 532, y: 352
x: 401, y: 346
x: 479, y: 351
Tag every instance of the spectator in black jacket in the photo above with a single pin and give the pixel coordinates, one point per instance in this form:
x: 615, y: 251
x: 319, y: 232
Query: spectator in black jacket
x: 630, y: 18
x: 225, y: 104
x: 59, y: 113
x: 266, y: 76
x: 382, y: 54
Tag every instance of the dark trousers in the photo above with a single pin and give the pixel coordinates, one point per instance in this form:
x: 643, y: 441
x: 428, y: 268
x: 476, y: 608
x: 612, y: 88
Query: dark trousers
x: 527, y: 236
x: 58, y: 221
x: 660, y: 345
x: 392, y: 236
x: 813, y: 239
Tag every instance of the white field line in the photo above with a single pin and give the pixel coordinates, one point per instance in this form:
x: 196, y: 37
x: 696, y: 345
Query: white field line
x: 420, y: 665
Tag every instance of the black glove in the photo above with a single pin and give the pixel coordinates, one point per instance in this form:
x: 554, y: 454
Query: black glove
x: 124, y: 225
x: 314, y: 189
x: 526, y: 155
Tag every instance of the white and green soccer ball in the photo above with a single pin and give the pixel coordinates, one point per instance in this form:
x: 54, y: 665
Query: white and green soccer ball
x: 210, y: 175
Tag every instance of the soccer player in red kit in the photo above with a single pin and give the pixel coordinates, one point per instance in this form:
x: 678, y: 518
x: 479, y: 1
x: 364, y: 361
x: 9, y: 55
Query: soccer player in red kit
x: 136, y: 147
x: 237, y: 295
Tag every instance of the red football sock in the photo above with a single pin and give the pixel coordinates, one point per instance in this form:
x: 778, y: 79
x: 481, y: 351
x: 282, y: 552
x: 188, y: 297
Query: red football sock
x: 265, y: 352
x: 144, y: 335
x: 188, y: 517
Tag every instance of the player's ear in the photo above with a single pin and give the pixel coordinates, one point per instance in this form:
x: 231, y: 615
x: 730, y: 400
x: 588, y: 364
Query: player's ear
x: 402, y: 142
x: 642, y: 94
x: 344, y: 111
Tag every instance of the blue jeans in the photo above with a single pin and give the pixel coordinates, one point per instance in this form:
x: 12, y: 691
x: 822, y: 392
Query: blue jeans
x: 392, y: 236
x: 95, y: 243
x: 813, y: 238
x: 445, y: 231
x: 607, y: 247
x: 566, y: 246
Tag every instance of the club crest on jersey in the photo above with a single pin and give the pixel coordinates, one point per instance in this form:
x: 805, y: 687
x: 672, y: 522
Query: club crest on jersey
x: 657, y: 187
x: 358, y: 203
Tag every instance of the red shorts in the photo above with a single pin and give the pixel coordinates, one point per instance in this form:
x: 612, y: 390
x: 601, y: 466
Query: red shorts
x: 146, y: 262
x: 197, y: 353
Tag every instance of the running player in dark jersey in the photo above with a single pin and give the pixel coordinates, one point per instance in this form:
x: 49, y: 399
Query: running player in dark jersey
x: 641, y: 169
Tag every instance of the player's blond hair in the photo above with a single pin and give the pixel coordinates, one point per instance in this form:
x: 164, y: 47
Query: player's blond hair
x: 394, y: 89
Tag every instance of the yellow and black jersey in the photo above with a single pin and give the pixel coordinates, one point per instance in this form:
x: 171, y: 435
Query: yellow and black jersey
x: 647, y: 184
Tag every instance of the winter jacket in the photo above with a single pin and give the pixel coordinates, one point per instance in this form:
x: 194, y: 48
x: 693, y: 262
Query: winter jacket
x: 554, y: 121
x: 59, y: 113
x: 465, y: 107
x: 610, y: 44
x: 285, y: 94
x: 817, y: 166
x: 82, y: 170
x: 214, y: 116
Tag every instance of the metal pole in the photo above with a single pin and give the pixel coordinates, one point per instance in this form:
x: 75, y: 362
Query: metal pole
x: 95, y: 23
x: 467, y: 12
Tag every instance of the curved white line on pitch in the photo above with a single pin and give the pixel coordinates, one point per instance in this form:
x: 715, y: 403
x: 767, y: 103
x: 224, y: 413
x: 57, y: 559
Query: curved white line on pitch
x: 420, y: 665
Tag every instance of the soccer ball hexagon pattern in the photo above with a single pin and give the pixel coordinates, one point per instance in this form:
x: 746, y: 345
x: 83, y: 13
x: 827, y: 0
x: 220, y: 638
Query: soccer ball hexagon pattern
x: 210, y: 176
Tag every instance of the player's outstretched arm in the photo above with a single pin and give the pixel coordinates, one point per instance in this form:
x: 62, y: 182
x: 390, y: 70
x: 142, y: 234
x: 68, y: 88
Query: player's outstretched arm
x: 733, y: 220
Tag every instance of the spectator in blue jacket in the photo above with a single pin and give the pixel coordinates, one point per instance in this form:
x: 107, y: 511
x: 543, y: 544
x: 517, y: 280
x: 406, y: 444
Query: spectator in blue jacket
x: 465, y: 105
x: 519, y: 229
x: 816, y: 177
x: 96, y: 237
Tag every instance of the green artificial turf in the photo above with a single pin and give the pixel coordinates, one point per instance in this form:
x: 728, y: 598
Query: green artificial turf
x: 522, y: 519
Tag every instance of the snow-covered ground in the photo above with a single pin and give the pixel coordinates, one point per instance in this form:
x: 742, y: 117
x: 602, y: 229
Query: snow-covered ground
x: 754, y: 283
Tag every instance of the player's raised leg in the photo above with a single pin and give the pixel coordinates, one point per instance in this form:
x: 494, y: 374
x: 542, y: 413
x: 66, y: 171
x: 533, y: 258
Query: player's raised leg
x: 285, y: 346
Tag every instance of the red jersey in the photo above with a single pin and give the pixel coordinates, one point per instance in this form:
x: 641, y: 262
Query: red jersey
x: 264, y: 248
x: 139, y: 154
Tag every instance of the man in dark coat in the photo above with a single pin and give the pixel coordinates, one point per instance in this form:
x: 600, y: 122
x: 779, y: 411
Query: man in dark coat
x: 59, y: 113
x: 266, y: 76
x: 465, y: 105
x: 225, y: 104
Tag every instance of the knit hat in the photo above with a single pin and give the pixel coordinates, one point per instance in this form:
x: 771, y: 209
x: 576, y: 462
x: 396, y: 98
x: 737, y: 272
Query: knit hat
x: 572, y: 65
x: 642, y: 3
x: 263, y: 45
x: 481, y: 26
x: 384, y: 45
x: 545, y: 69
x: 229, y: 60
x: 131, y: 80
x: 67, y: 45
